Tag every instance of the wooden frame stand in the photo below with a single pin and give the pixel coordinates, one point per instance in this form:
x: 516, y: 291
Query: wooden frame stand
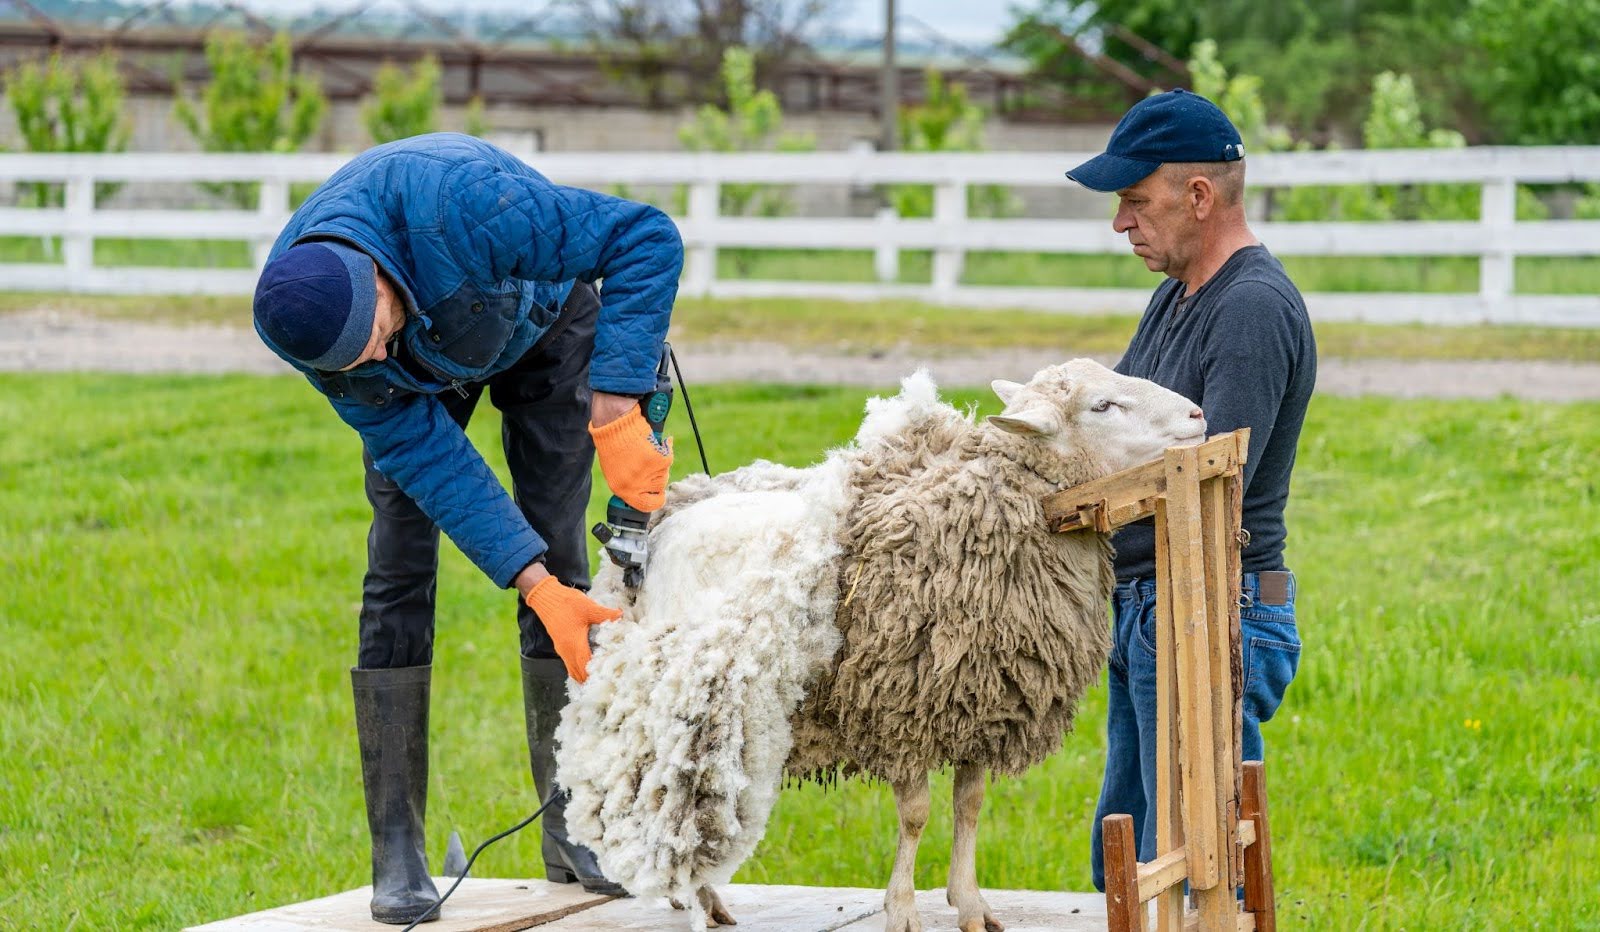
x: 1211, y: 811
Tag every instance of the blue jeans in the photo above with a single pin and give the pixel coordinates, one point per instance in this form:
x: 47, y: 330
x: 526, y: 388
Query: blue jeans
x: 1271, y: 653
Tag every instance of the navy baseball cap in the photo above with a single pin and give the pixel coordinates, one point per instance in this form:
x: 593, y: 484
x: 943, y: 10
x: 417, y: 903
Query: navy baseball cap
x: 1177, y: 126
x: 316, y: 302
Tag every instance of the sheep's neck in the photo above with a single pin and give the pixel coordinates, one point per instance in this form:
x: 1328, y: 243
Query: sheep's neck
x: 1033, y: 457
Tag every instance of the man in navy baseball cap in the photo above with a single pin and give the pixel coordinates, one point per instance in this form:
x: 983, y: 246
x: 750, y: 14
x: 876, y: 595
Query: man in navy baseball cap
x: 1173, y: 127
x: 1228, y: 330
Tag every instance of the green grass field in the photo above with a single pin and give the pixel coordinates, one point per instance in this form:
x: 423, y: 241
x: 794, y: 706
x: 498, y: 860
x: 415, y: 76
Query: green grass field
x: 183, y: 555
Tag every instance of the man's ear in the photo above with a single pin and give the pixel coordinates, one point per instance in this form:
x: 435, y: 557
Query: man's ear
x: 1034, y: 421
x: 1202, y: 194
x: 1005, y: 390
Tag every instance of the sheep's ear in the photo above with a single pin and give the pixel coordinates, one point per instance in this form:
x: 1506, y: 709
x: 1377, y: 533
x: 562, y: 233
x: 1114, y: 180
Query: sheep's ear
x: 1006, y: 390
x: 1029, y: 422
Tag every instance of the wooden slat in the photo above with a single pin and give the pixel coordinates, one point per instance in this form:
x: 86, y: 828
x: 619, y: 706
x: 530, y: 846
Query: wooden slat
x: 1169, y: 820
x: 1124, y: 909
x: 1196, y: 754
x: 1233, y: 545
x: 1259, y: 900
x: 1127, y: 496
x: 1162, y: 874
x: 1218, y: 905
x: 1223, y: 604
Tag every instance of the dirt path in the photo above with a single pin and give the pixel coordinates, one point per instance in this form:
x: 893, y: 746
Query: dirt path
x: 53, y: 342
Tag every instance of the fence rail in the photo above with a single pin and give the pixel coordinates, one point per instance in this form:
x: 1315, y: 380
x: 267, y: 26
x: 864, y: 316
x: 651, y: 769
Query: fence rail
x: 1497, y: 239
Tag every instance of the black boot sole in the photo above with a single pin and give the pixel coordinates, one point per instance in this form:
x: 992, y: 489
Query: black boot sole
x: 600, y: 887
x: 405, y: 917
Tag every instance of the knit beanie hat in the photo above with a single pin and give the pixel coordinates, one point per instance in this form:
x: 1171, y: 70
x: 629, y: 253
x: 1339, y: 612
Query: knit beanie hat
x: 316, y: 303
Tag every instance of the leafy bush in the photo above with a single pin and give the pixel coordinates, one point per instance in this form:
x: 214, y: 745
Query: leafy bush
x: 403, y: 105
x: 255, y: 102
x: 67, y: 105
x: 753, y: 122
x: 946, y: 122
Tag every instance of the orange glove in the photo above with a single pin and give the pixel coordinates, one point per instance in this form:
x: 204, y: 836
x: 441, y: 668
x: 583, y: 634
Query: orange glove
x: 634, y: 466
x: 567, y: 614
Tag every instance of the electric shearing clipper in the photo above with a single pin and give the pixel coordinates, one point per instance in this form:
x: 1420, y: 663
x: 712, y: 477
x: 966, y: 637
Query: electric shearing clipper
x: 624, y: 531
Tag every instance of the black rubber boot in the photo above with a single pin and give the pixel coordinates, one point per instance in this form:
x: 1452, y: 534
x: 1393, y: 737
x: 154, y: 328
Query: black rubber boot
x: 544, y: 695
x: 392, y: 724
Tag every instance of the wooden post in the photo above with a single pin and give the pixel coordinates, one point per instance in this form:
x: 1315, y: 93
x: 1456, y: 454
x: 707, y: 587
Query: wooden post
x: 886, y: 257
x: 1258, y: 894
x: 704, y: 197
x: 1124, y: 911
x: 273, y: 206
x: 1168, y: 815
x: 1201, y: 796
x: 1497, y: 266
x: 77, y: 245
x: 949, y: 212
x: 1225, y: 660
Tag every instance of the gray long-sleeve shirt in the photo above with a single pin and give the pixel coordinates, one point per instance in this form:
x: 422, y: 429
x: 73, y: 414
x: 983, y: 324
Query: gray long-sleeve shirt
x: 1241, y: 348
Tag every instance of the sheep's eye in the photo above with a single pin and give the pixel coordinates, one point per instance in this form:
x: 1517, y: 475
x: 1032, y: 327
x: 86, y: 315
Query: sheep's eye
x: 1102, y: 406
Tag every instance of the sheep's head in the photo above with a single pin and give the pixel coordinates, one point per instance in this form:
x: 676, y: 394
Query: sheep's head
x: 1080, y: 408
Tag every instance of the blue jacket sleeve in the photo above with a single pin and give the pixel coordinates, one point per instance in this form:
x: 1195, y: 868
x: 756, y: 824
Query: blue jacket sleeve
x: 414, y: 442
x: 522, y: 226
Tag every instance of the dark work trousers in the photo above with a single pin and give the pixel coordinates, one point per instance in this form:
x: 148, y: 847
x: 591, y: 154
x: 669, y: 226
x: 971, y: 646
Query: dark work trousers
x: 544, y: 406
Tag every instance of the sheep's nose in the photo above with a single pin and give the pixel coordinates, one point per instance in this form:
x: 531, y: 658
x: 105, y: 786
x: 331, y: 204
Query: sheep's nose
x: 1197, y: 414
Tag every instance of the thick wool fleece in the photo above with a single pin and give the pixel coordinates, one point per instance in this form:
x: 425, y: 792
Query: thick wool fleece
x: 969, y: 633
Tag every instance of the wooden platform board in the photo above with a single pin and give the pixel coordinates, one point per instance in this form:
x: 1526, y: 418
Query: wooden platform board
x: 489, y: 905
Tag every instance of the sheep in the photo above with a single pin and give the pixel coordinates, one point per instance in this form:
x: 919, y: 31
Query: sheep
x: 896, y: 609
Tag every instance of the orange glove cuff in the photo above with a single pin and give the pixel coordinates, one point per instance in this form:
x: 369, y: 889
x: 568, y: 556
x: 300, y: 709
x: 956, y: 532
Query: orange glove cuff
x: 567, y: 614
x: 635, y: 468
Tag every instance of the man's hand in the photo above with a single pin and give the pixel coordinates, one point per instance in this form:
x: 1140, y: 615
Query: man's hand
x: 532, y: 575
x: 634, y: 466
x: 567, y: 614
x: 605, y: 407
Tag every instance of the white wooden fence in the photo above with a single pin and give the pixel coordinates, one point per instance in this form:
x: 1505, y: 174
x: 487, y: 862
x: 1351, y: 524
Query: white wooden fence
x: 1497, y: 239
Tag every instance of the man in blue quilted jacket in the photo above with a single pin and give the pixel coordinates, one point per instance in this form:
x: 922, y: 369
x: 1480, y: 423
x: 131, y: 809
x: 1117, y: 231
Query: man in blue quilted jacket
x: 422, y: 273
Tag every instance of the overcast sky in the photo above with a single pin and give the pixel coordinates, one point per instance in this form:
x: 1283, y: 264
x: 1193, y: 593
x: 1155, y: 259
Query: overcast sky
x: 970, y: 21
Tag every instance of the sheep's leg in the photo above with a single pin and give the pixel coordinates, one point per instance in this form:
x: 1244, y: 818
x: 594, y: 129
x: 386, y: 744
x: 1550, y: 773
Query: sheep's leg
x: 712, y: 905
x: 972, y: 911
x: 900, y: 904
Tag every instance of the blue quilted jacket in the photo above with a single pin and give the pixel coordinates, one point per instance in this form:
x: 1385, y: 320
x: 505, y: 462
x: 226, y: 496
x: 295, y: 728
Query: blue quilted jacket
x: 484, y: 250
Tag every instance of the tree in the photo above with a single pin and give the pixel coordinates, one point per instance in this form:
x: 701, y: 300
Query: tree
x: 403, y: 106
x: 254, y: 103
x: 1542, y: 80
x: 65, y: 105
x: 945, y: 122
x: 1315, y: 59
x: 752, y: 122
x: 1394, y: 121
x: 1239, y: 96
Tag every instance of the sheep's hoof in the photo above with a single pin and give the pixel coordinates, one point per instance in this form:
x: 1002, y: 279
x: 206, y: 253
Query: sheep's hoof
x: 902, y: 921
x: 715, y: 911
